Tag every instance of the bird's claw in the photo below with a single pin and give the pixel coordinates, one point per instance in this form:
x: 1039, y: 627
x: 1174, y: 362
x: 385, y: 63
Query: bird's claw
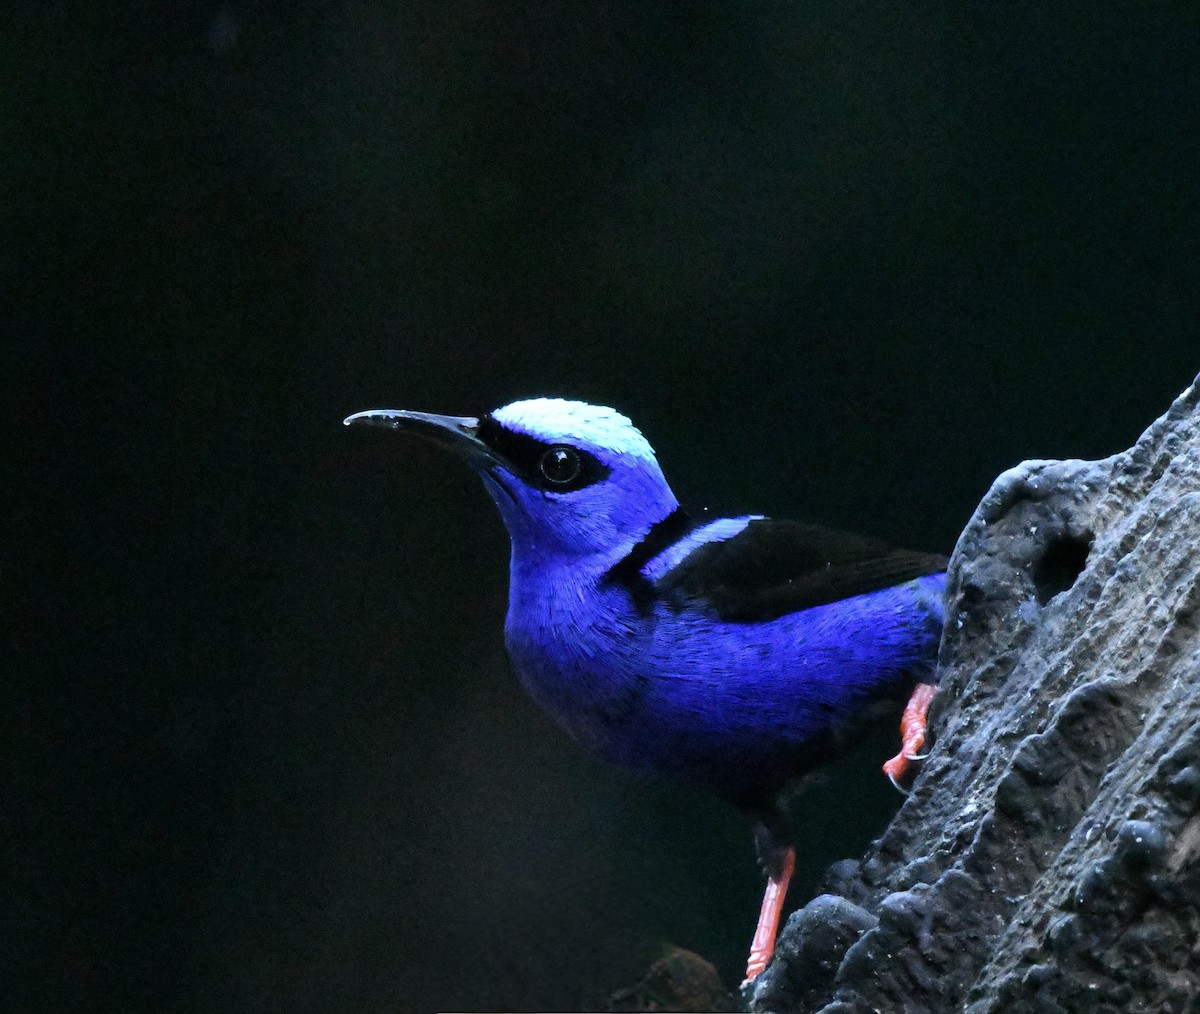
x: 912, y: 736
x: 896, y: 769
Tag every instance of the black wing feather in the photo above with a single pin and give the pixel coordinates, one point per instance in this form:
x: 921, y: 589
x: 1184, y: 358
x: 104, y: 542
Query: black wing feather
x: 776, y: 567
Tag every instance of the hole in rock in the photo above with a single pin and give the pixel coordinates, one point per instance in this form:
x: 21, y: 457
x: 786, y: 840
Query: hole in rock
x: 1060, y: 565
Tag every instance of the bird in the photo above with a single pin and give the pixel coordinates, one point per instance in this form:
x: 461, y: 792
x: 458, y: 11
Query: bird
x: 736, y: 653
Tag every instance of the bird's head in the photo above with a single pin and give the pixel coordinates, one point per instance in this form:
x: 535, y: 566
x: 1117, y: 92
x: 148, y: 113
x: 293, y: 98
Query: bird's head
x: 572, y: 480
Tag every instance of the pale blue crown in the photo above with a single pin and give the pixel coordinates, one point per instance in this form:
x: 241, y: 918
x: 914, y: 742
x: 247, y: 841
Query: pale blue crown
x: 595, y: 427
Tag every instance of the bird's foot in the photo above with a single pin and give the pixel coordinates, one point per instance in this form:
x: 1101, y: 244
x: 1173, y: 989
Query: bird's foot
x: 912, y: 736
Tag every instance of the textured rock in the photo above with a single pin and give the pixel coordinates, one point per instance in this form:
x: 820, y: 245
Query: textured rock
x: 811, y: 949
x: 1049, y: 856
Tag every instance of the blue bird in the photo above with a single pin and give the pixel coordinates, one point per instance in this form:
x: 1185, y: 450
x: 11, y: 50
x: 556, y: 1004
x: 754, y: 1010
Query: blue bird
x: 733, y: 652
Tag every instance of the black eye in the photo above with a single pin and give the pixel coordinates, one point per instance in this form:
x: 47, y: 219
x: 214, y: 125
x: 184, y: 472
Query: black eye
x: 561, y: 465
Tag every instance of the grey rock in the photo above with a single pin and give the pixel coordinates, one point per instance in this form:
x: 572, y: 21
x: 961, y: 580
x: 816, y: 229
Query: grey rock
x: 1048, y: 858
x: 810, y: 951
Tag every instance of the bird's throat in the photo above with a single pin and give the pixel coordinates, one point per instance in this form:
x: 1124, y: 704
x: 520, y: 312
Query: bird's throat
x: 568, y: 639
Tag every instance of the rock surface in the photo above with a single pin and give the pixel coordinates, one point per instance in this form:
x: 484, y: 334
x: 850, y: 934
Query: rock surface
x: 1048, y: 858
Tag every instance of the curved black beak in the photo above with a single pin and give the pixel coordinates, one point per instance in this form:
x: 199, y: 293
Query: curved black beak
x: 459, y: 434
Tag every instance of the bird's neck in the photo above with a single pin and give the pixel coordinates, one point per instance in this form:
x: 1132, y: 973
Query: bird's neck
x: 628, y: 547
x: 540, y: 568
x: 564, y: 596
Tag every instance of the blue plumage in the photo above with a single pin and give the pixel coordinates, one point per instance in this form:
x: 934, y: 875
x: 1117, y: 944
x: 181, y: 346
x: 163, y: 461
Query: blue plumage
x: 731, y: 652
x: 738, y: 707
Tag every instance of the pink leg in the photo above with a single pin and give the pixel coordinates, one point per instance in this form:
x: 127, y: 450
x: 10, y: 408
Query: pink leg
x: 768, y: 918
x: 912, y: 733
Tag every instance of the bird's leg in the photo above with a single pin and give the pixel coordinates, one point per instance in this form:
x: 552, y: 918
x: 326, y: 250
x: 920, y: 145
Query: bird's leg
x: 912, y: 734
x: 778, y: 860
x: 763, y: 945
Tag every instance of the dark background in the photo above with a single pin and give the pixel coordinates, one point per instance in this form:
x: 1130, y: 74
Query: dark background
x: 841, y: 261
